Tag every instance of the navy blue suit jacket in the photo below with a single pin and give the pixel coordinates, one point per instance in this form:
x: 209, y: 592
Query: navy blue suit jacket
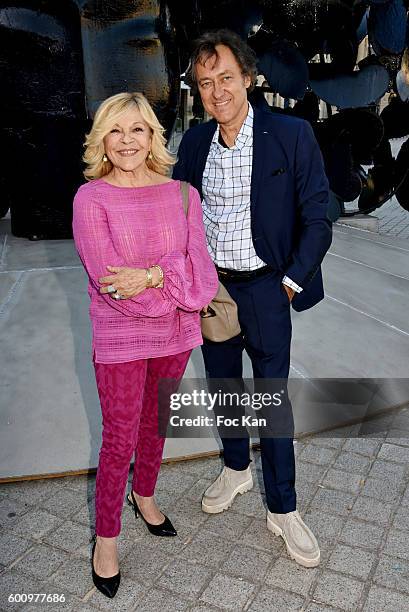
x: 289, y: 196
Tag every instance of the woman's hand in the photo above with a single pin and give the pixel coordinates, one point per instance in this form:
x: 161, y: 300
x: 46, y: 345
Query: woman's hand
x: 127, y: 281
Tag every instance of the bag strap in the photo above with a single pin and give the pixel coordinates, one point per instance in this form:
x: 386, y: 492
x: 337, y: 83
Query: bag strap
x: 184, y: 188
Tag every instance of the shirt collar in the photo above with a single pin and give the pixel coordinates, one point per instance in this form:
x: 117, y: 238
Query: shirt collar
x: 246, y: 132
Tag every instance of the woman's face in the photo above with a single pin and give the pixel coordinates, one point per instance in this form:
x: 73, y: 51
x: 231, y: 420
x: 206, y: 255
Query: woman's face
x: 128, y: 143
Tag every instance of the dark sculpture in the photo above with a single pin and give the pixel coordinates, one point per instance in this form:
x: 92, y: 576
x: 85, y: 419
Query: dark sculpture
x: 58, y: 60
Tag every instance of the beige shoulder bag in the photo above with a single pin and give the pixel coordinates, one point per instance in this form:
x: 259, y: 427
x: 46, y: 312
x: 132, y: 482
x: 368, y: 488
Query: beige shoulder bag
x: 219, y: 321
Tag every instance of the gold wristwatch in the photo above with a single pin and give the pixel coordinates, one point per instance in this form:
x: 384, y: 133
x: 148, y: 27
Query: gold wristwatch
x: 148, y: 278
x: 158, y: 285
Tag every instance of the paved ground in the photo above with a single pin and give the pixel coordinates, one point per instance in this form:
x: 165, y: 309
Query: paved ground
x: 393, y: 219
x: 353, y: 491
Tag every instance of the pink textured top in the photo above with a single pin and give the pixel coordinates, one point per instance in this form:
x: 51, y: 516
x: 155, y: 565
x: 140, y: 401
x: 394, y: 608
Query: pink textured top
x: 139, y: 227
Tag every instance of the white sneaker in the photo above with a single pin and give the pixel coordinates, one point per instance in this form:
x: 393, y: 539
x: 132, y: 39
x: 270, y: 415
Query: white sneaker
x: 301, y: 543
x: 220, y: 495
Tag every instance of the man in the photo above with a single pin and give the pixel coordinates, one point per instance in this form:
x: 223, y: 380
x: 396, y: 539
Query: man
x: 265, y: 197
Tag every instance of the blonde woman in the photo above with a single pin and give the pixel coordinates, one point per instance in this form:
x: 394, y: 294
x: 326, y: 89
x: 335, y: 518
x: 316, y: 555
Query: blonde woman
x: 149, y: 275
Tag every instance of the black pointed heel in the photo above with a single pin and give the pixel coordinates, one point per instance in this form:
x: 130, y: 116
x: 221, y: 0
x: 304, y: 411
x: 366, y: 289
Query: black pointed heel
x: 165, y: 529
x: 107, y: 586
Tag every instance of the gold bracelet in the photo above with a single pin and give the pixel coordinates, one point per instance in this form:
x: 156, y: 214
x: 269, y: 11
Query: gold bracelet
x: 159, y: 284
x: 148, y: 278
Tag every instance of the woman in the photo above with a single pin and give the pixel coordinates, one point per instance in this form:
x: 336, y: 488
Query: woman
x: 129, y: 219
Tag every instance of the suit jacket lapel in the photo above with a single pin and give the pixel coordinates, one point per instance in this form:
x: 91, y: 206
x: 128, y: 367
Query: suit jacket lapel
x: 260, y: 146
x: 203, y: 151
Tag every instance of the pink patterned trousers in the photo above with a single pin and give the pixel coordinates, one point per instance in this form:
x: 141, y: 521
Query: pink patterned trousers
x: 128, y: 393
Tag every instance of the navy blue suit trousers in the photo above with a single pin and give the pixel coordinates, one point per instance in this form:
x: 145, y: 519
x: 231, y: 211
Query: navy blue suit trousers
x: 264, y: 315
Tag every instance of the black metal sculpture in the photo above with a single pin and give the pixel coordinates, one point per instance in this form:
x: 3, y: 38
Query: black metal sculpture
x: 58, y: 60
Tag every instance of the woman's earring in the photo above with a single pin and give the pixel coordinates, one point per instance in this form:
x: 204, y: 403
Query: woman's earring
x: 104, y: 158
x: 150, y: 156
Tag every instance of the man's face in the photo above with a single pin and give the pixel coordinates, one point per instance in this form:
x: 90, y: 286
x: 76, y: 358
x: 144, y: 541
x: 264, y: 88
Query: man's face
x: 223, y: 87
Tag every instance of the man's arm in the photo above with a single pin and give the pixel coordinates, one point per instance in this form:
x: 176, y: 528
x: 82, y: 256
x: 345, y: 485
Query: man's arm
x: 312, y: 194
x: 291, y: 287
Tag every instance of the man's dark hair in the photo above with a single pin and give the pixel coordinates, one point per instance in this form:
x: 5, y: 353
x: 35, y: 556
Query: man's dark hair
x: 205, y: 47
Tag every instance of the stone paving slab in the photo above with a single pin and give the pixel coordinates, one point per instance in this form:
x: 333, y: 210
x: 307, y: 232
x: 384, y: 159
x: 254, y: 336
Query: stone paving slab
x: 340, y: 273
x: 393, y: 219
x: 229, y: 561
x: 364, y: 249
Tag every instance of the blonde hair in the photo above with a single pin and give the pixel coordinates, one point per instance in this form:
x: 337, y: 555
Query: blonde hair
x: 106, y: 116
